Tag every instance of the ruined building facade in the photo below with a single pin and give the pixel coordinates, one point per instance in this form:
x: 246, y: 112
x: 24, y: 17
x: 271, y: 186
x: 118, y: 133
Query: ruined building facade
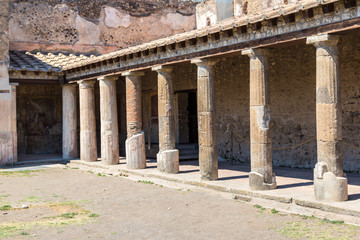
x: 270, y: 83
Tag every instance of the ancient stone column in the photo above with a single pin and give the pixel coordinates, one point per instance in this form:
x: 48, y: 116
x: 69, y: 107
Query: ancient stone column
x: 69, y: 143
x: 261, y: 176
x: 135, y: 142
x: 88, y: 146
x: 109, y: 121
x: 330, y: 183
x: 208, y: 159
x: 168, y: 156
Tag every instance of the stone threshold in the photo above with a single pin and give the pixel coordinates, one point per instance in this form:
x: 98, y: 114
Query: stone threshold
x: 303, y: 205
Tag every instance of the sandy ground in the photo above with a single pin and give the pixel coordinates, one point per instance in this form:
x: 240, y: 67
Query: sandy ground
x: 127, y: 209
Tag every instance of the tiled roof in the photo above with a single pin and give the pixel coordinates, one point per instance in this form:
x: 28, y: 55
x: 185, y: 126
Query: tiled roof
x: 40, y: 62
x: 222, y: 26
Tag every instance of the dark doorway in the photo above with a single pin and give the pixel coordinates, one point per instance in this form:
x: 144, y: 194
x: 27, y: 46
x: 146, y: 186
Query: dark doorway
x: 193, y: 121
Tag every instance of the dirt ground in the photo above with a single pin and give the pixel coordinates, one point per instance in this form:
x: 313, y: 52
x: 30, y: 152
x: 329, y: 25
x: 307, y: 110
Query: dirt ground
x: 65, y: 203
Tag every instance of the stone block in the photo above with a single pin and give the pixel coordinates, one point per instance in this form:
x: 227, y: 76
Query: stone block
x: 208, y: 163
x: 168, y: 161
x: 135, y: 151
x: 330, y: 187
x: 257, y: 182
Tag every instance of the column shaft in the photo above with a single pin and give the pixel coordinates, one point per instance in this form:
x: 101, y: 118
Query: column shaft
x: 88, y: 145
x: 329, y: 181
x: 109, y: 121
x: 261, y: 176
x: 168, y: 156
x: 135, y: 142
x: 69, y: 144
x: 208, y: 159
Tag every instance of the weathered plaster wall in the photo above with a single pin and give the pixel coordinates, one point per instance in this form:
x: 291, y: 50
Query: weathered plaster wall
x: 7, y: 93
x: 102, y: 26
x: 39, y: 118
x: 292, y: 78
x: 206, y: 13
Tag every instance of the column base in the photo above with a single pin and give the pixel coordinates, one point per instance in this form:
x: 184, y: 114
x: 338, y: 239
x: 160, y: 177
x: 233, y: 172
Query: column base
x: 328, y: 186
x: 168, y: 161
x: 256, y: 182
x: 135, y: 151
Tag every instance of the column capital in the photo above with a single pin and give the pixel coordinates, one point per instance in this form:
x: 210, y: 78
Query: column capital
x: 204, y: 61
x: 162, y: 69
x: 133, y: 73
x: 255, y: 52
x: 108, y: 78
x: 86, y: 84
x: 323, y: 40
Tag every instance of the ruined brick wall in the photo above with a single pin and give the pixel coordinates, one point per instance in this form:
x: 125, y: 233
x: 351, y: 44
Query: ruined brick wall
x: 95, y: 26
x: 292, y: 77
x: 39, y: 118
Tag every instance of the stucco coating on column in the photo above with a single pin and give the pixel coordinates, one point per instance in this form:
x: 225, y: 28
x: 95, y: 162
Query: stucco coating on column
x: 329, y: 181
x: 261, y: 176
x: 208, y: 158
x: 168, y: 156
x: 135, y: 142
x: 109, y: 121
x: 88, y: 145
x: 70, y: 136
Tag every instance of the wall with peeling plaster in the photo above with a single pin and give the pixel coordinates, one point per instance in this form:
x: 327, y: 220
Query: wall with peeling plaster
x: 95, y: 26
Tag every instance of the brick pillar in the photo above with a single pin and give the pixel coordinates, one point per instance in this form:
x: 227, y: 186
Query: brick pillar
x: 88, y: 146
x: 70, y: 137
x: 329, y: 181
x: 261, y: 176
x: 109, y: 121
x: 168, y: 156
x: 135, y: 142
x: 208, y: 159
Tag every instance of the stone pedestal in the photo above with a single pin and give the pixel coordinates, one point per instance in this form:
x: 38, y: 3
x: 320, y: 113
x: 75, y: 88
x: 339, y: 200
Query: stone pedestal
x: 168, y: 156
x: 261, y: 176
x: 135, y: 142
x: 109, y: 121
x: 329, y: 181
x: 208, y: 159
x: 70, y: 136
x: 88, y: 146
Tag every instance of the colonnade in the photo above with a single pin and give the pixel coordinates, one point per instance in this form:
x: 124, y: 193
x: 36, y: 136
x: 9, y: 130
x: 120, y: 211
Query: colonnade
x: 329, y: 181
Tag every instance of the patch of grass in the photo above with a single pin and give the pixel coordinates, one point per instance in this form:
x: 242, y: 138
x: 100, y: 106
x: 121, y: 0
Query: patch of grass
x: 325, y: 220
x: 313, y: 229
x: 5, y: 208
x: 74, y: 168
x: 89, y: 171
x: 4, y: 196
x: 145, y: 182
x: 308, y: 217
x: 93, y: 215
x: 274, y: 211
x: 68, y: 215
x: 24, y: 233
x: 101, y: 175
x: 123, y: 175
x: 25, y: 173
x: 259, y: 207
x: 31, y: 199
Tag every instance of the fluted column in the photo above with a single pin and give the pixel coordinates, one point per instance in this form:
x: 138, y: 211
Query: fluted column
x: 135, y: 142
x: 330, y: 183
x: 69, y: 143
x: 208, y: 159
x: 261, y: 176
x: 109, y: 121
x: 168, y: 156
x: 88, y: 146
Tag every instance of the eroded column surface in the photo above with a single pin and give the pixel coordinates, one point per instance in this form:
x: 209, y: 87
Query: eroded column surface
x: 261, y: 176
x: 88, y: 145
x: 109, y: 121
x: 135, y: 142
x: 329, y: 181
x: 69, y: 143
x: 208, y: 159
x: 168, y: 156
